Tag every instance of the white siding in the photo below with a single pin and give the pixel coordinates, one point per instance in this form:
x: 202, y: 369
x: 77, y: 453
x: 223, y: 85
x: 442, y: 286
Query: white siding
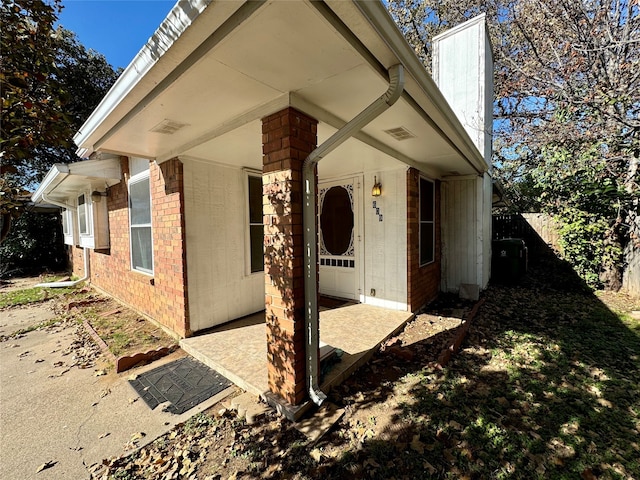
x: 385, y: 242
x: 459, y: 217
x: 487, y: 190
x: 466, y: 232
x: 463, y: 71
x: 220, y: 287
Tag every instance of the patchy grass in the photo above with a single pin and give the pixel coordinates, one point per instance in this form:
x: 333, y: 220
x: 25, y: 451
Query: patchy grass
x: 31, y: 328
x: 26, y: 296
x: 557, y: 397
x: 123, y: 330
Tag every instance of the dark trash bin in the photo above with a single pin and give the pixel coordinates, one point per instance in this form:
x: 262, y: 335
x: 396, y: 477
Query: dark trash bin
x: 509, y: 259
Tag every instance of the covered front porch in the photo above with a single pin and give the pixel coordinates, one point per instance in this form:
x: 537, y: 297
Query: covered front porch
x: 238, y: 349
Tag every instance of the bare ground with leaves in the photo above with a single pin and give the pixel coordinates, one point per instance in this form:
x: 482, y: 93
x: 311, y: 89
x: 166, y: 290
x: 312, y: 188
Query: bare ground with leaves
x: 545, y: 386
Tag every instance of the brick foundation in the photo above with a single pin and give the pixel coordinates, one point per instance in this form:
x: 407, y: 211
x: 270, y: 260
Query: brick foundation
x: 423, y: 283
x: 287, y: 139
x: 162, y: 296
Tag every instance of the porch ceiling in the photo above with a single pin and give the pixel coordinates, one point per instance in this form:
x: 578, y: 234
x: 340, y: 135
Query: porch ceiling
x: 280, y: 54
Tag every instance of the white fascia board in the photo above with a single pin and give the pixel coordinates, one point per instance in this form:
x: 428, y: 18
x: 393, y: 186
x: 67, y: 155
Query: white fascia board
x: 377, y: 15
x: 53, y: 177
x: 107, y: 171
x: 181, y: 16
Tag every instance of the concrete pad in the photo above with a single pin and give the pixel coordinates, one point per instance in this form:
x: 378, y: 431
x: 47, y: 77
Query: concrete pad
x: 315, y: 427
x: 67, y: 416
x: 238, y: 349
x: 19, y: 318
x: 469, y: 291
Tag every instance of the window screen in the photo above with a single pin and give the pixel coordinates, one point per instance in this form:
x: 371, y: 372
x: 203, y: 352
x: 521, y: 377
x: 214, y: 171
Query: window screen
x: 427, y: 224
x: 140, y: 218
x: 256, y: 229
x: 83, y: 224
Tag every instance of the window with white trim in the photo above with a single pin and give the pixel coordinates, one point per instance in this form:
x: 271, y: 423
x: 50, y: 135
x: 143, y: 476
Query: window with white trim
x: 427, y: 221
x: 140, y: 223
x: 256, y: 229
x: 66, y: 224
x: 83, y: 215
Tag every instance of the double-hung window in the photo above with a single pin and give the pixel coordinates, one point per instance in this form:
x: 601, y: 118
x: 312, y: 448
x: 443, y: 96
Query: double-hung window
x: 66, y: 224
x: 68, y: 227
x: 256, y: 229
x: 427, y: 221
x: 83, y: 215
x: 140, y: 223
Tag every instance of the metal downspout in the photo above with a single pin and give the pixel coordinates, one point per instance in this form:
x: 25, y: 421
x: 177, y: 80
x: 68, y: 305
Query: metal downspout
x: 310, y: 230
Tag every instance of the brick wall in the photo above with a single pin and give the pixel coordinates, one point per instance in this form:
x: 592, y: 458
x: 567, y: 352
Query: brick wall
x: 75, y: 256
x: 287, y: 138
x: 423, y: 283
x: 162, y: 296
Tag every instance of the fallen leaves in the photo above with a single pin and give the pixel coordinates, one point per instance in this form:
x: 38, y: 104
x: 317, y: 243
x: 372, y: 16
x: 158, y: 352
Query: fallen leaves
x: 46, y: 466
x: 417, y: 445
x: 138, y: 436
x: 518, y: 402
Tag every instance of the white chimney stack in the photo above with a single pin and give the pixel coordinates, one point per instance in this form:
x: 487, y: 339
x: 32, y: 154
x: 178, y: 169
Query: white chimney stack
x: 463, y: 71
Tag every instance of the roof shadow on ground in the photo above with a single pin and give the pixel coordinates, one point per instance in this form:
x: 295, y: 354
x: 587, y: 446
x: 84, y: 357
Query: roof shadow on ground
x: 545, y: 386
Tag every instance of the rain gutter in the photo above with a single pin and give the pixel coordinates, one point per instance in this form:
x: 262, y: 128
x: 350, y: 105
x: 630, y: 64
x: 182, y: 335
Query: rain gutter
x: 238, y: 17
x: 309, y: 219
x: 58, y: 204
x: 379, y: 18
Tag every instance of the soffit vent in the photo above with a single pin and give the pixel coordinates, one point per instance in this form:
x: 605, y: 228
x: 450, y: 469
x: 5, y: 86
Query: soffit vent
x: 400, y: 133
x: 168, y: 127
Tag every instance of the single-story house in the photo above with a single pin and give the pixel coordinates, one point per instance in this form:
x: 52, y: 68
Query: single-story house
x: 254, y: 154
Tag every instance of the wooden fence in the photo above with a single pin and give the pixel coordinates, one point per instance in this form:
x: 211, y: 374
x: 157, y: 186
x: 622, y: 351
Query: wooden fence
x: 631, y: 276
x: 540, y: 233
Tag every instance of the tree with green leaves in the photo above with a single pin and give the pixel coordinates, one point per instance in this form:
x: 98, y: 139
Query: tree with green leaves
x: 567, y: 113
x: 50, y: 84
x: 32, y: 97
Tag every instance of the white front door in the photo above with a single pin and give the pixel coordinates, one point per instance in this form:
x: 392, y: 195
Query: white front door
x: 338, y: 245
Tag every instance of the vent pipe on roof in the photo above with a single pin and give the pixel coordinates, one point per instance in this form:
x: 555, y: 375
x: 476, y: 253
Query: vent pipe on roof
x: 310, y: 230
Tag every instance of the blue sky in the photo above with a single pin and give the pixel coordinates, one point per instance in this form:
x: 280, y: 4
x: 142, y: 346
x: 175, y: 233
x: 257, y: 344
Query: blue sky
x: 115, y: 28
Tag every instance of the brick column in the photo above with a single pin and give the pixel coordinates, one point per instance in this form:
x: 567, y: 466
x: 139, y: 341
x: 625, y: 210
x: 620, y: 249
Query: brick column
x: 287, y: 139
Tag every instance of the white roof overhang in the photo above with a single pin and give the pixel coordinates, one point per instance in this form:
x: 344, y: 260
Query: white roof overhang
x: 213, y: 69
x: 67, y: 180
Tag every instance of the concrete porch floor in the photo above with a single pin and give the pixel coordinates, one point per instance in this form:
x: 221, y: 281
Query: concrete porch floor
x: 238, y: 350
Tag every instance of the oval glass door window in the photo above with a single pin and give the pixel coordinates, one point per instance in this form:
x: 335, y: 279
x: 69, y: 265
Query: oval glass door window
x: 336, y: 220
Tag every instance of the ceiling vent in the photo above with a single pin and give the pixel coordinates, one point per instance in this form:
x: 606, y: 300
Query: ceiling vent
x: 400, y: 133
x: 168, y: 127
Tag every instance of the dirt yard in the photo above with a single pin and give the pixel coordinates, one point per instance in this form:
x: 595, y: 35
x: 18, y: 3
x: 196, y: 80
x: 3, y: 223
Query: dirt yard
x: 545, y: 386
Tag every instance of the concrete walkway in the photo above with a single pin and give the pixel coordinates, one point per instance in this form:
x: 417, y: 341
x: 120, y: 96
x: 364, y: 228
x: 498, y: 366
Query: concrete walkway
x: 66, y: 417
x: 238, y: 350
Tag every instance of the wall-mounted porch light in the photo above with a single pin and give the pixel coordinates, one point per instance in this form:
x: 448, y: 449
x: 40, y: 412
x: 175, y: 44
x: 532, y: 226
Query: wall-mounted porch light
x: 376, y: 191
x: 96, y: 196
